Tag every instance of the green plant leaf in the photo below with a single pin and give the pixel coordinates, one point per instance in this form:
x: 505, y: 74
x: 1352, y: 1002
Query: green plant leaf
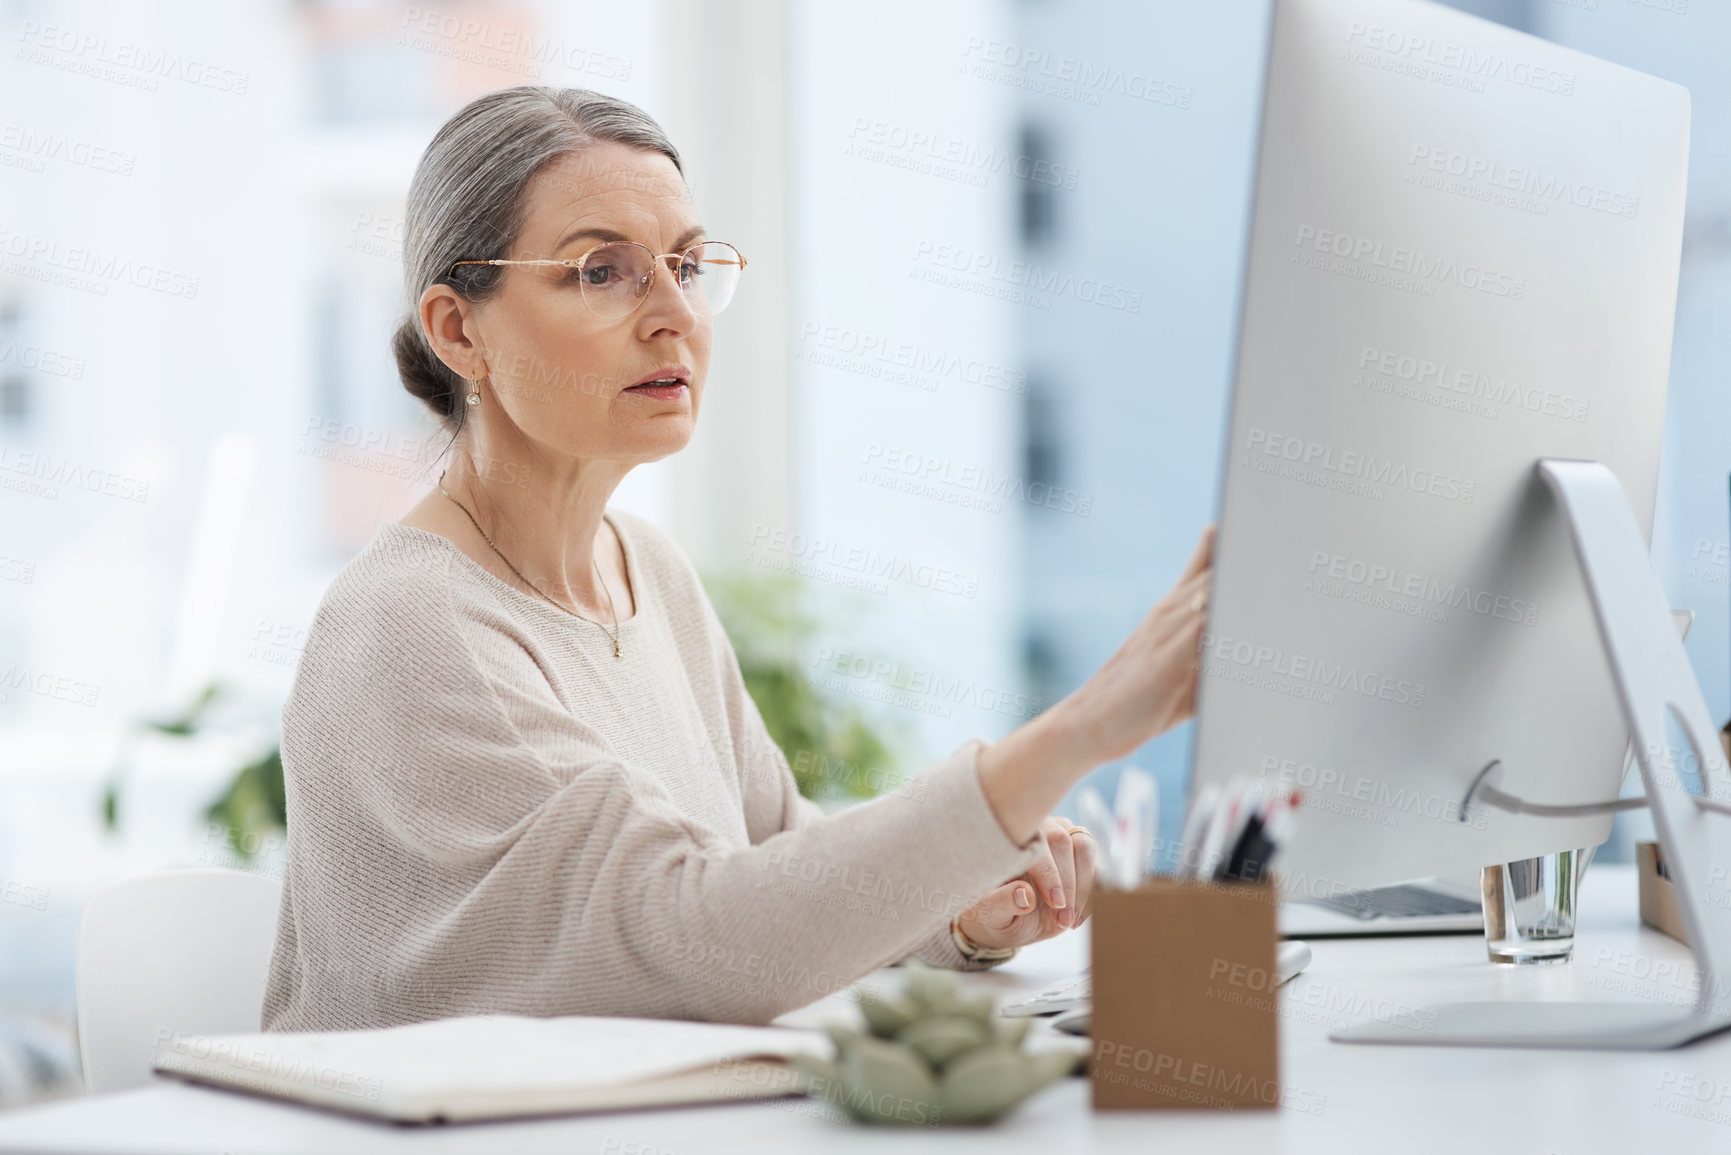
x: 187, y: 721
x: 833, y: 749
x: 255, y: 803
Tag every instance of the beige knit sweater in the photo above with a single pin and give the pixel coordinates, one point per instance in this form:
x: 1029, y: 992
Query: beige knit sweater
x: 489, y: 812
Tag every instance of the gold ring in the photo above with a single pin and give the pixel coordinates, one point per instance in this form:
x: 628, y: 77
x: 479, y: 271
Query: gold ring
x: 1075, y: 830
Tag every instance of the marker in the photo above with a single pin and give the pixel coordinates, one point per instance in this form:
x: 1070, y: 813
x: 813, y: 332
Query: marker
x: 1195, y: 829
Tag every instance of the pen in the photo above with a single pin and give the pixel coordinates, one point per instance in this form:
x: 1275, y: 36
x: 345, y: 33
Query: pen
x: 1137, y: 808
x: 1195, y: 828
x: 1227, y: 826
x: 1250, y: 856
x: 1263, y: 837
x: 1098, y: 819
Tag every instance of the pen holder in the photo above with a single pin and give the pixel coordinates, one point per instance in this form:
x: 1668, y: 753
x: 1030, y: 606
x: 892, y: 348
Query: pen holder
x: 1185, y: 996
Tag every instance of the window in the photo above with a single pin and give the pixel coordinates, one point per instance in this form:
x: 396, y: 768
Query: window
x: 16, y: 402
x: 1038, y: 206
x: 1040, y: 449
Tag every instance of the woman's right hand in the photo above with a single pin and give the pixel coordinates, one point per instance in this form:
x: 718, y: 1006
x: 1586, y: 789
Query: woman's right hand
x: 1149, y: 685
x: 1144, y: 689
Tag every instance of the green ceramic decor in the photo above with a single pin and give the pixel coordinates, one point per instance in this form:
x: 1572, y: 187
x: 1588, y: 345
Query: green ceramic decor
x: 933, y: 1054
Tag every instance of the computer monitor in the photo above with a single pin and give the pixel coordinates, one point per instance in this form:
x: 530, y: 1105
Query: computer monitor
x: 1463, y: 257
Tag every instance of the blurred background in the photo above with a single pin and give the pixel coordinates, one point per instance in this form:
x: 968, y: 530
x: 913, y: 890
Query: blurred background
x: 963, y: 426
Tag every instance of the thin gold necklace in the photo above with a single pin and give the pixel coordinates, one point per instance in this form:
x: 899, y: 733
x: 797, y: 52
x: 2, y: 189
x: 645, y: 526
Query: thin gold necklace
x: 615, y: 633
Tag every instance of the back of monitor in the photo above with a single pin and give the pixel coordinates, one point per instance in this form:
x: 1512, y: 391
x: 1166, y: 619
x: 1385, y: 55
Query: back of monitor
x: 1463, y: 258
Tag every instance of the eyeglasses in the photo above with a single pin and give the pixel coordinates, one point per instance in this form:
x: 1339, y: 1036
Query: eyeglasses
x: 616, y: 277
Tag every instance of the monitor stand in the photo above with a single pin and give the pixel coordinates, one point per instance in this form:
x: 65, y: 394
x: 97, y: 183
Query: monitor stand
x: 1653, y: 679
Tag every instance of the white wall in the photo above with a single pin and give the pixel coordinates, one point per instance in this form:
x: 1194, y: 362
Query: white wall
x: 881, y: 359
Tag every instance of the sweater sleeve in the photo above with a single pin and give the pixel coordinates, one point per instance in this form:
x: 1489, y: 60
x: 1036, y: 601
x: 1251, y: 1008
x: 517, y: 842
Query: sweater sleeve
x: 764, y: 766
x: 460, y: 844
x: 770, y: 790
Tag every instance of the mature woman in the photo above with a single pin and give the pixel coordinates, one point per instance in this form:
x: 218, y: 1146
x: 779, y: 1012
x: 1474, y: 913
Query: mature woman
x: 524, y: 775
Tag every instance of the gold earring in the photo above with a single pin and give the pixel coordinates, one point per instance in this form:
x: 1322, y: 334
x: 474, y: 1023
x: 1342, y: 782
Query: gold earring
x: 475, y: 392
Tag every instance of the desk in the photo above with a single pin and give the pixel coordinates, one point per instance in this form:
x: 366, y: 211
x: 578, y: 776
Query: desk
x: 1405, y: 1100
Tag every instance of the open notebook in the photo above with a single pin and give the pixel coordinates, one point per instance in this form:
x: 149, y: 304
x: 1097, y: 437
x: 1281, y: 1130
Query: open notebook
x: 496, y: 1066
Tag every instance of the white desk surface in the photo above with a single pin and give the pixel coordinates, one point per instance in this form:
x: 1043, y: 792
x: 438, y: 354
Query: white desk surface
x: 1400, y: 1100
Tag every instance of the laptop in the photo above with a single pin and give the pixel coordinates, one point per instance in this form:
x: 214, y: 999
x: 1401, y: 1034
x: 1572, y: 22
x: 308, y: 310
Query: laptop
x: 1431, y: 906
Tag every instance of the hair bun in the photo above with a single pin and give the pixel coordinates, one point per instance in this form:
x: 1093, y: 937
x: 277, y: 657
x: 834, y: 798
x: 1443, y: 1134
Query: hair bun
x: 423, y: 374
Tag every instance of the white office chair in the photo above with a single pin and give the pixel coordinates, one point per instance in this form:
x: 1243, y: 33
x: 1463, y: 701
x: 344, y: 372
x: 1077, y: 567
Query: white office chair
x: 180, y: 951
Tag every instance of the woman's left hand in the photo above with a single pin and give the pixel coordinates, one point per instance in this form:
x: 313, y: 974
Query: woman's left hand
x: 1052, y: 896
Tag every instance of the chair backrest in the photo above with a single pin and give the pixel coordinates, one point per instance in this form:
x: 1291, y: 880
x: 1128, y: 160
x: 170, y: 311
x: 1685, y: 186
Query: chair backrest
x: 183, y: 951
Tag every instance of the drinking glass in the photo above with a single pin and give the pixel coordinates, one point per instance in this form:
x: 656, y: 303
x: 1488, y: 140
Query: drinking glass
x: 1530, y: 907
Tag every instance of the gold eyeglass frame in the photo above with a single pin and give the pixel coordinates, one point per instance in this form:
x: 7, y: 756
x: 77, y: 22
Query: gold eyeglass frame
x: 655, y: 265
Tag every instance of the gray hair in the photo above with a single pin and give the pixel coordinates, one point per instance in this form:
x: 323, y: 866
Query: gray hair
x: 466, y: 202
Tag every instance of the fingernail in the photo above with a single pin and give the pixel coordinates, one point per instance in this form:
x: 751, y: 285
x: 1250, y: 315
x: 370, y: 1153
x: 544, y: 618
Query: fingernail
x: 1023, y: 899
x: 1057, y: 898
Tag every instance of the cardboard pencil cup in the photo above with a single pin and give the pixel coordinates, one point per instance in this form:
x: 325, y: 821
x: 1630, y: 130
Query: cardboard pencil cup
x: 1185, y: 996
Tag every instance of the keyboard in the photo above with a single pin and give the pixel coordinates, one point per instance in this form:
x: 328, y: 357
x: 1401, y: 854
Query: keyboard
x: 1407, y: 901
x: 1073, y: 993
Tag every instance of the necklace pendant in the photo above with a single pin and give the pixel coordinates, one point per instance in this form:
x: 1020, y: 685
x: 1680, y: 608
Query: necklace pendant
x: 616, y: 652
